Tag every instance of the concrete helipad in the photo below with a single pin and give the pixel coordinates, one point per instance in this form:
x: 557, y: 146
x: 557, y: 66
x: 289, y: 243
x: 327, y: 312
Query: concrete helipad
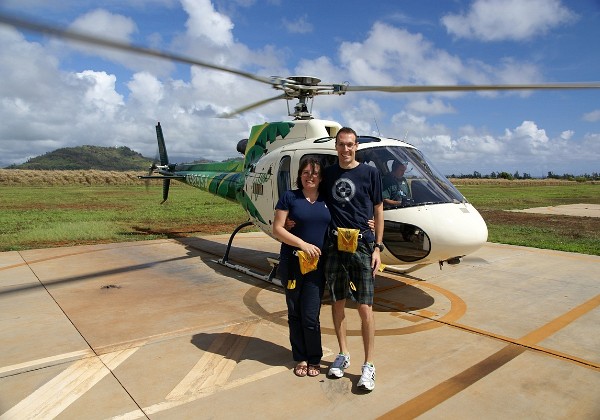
x: 580, y: 210
x: 159, y: 330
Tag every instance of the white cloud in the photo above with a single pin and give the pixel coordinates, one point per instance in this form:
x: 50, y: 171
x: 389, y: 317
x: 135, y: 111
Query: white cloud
x: 101, y: 22
x: 26, y: 68
x: 364, y: 115
x: 386, y: 56
x: 323, y: 66
x: 205, y: 22
x: 510, y: 70
x: 45, y: 108
x: 49, y: 108
x: 391, y: 55
x: 100, y: 91
x: 498, y: 20
x: 590, y: 149
x: 526, y: 140
x: 299, y: 26
x: 592, y: 116
x: 567, y: 134
x: 430, y: 107
x: 415, y: 127
x: 525, y: 148
x: 106, y: 25
x: 146, y: 89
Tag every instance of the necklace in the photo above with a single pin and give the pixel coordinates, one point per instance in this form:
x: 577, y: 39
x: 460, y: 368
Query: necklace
x: 309, y: 199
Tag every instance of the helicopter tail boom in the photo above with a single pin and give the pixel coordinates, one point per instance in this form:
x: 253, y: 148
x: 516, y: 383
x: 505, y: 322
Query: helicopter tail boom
x: 219, y: 178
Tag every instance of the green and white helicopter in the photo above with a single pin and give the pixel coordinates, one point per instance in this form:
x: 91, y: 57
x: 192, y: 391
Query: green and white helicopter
x: 434, y: 223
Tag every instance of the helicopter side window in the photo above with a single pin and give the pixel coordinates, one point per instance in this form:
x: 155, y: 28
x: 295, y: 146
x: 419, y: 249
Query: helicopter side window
x: 326, y: 160
x: 283, y: 176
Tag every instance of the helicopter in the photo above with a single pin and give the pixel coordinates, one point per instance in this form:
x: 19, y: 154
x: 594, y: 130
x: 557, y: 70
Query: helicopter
x: 433, y: 224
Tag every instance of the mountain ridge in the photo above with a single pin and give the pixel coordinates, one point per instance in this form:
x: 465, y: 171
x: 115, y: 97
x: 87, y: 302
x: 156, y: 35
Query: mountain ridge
x: 88, y: 157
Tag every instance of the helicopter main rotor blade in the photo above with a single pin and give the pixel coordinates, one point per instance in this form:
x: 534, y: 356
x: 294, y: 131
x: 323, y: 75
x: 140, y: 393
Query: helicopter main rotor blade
x: 252, y: 106
x: 300, y: 88
x: 102, y: 42
x: 468, y: 88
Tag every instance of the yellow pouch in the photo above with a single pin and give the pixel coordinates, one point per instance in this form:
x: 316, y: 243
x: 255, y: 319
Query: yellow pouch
x: 307, y: 263
x: 347, y: 239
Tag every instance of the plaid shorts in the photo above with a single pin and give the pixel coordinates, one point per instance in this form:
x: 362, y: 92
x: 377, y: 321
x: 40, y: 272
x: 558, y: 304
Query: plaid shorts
x: 350, y: 275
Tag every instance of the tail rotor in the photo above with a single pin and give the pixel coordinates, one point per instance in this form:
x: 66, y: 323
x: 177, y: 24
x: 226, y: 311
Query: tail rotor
x: 164, y: 170
x: 166, y: 184
x: 164, y: 160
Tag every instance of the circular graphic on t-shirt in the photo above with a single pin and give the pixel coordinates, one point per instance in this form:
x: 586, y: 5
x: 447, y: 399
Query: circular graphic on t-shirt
x: 343, y: 190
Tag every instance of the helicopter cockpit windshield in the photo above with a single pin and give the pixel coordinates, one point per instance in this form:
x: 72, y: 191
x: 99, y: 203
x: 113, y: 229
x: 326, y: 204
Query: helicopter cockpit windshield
x: 408, y: 178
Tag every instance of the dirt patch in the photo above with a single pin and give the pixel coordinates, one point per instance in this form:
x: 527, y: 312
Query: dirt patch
x: 568, y: 225
x: 190, y: 230
x: 142, y: 234
x: 577, y: 210
x: 68, y: 206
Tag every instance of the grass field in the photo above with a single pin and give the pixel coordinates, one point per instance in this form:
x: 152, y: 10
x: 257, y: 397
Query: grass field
x: 563, y: 233
x: 61, y: 208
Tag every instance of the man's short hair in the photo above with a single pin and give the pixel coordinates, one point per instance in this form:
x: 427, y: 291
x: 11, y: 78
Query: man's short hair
x: 346, y: 130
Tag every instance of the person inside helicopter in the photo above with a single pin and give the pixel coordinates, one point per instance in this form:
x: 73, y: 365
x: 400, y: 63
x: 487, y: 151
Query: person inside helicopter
x: 396, y: 191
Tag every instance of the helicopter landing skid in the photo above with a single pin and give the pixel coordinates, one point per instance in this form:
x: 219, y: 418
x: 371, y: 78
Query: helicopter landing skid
x: 270, y: 278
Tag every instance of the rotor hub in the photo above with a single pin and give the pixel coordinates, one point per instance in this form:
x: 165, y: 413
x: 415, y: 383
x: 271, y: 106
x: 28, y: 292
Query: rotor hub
x: 305, y: 80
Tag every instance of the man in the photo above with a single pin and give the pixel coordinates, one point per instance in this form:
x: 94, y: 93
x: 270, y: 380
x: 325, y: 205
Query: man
x: 353, y: 195
x: 395, y: 187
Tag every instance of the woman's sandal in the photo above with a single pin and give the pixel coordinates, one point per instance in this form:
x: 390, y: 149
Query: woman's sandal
x: 300, y: 370
x: 313, y: 370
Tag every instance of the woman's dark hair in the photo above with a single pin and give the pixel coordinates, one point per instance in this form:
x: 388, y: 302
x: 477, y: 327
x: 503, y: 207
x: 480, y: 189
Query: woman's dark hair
x: 314, y: 164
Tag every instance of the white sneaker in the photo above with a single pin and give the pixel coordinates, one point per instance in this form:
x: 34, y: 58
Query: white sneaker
x: 367, y: 379
x: 341, y: 362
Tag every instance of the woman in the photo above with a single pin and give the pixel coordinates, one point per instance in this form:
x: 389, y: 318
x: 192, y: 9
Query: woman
x: 305, y: 206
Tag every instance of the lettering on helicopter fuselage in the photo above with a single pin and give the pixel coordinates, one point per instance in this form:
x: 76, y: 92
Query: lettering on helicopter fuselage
x: 258, y: 184
x: 257, y: 189
x: 198, y: 181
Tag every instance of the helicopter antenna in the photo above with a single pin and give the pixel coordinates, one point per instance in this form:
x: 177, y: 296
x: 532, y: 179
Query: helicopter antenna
x: 377, y: 125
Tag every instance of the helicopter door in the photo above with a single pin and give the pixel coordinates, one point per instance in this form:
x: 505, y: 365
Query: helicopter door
x: 284, y: 182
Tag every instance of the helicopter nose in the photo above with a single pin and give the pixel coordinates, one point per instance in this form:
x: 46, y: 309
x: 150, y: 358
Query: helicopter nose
x: 468, y: 230
x: 433, y: 233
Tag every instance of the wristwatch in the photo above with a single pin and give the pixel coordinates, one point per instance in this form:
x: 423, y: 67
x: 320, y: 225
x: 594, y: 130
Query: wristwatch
x: 380, y: 246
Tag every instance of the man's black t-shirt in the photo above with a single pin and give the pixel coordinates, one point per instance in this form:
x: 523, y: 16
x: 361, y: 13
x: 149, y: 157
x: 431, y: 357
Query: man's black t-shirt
x: 351, y: 195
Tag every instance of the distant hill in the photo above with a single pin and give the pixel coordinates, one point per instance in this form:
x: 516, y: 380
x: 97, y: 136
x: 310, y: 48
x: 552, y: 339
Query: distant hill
x: 88, y: 157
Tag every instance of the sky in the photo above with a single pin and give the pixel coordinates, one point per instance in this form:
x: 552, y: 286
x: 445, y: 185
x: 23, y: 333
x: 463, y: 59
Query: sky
x: 55, y: 93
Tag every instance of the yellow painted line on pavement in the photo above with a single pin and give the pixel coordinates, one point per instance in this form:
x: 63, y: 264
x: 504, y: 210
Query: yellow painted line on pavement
x: 205, y: 392
x: 35, y: 364
x: 217, y: 363
x: 60, y: 392
x: 452, y: 386
x: 196, y: 384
